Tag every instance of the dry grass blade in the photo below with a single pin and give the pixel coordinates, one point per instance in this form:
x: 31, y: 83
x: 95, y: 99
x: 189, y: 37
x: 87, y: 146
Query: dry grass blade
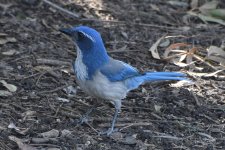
x: 212, y: 74
x: 154, y: 50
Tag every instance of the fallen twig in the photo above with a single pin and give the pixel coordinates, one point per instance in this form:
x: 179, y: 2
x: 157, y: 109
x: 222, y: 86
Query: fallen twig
x: 132, y: 23
x: 127, y: 124
x: 61, y: 9
x: 195, y: 98
x: 54, y: 90
x: 168, y: 137
x: 205, y: 62
x: 52, y: 62
x: 212, y: 139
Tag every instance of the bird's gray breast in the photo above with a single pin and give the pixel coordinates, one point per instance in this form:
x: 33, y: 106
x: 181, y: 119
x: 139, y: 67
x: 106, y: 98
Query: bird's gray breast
x: 101, y: 87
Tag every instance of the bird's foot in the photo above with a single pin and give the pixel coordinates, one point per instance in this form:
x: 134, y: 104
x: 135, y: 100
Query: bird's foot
x: 108, y: 132
x: 85, y: 118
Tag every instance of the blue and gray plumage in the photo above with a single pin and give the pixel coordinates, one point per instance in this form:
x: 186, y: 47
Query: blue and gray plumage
x: 106, y: 78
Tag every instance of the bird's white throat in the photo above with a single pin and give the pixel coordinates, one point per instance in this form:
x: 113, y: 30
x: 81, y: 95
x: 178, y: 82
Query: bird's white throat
x: 80, y: 67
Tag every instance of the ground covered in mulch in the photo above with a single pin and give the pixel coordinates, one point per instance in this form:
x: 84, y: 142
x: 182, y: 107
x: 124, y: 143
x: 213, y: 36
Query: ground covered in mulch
x: 44, y: 109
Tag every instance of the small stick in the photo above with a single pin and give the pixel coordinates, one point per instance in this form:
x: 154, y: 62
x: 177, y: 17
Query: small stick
x: 107, y: 119
x: 205, y: 62
x: 61, y: 9
x: 91, y: 127
x: 54, y: 90
x: 127, y: 124
x: 52, y: 62
x: 122, y: 51
x: 195, y: 98
x: 138, y: 24
x: 168, y: 137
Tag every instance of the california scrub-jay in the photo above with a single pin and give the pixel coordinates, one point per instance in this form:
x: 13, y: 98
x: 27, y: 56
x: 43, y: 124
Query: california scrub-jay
x: 106, y: 78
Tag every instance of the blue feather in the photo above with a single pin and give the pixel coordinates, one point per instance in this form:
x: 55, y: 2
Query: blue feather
x: 116, y: 70
x: 134, y: 82
x: 171, y: 74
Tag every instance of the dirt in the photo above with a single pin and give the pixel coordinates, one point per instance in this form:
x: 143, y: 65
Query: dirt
x: 155, y: 116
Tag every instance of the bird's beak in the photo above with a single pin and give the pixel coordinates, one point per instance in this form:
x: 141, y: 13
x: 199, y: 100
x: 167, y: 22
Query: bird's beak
x: 66, y: 31
x: 69, y: 32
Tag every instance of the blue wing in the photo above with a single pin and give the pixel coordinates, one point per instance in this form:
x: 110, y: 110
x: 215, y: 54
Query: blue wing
x: 116, y: 70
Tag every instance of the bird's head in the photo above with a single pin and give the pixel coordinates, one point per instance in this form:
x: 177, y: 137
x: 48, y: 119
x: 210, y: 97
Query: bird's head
x: 89, y: 43
x: 85, y: 38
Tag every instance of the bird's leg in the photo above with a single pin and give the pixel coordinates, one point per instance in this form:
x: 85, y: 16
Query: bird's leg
x: 111, y: 129
x: 117, y: 110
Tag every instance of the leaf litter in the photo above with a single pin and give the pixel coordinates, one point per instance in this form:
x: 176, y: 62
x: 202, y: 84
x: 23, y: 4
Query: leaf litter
x: 186, y: 55
x: 35, y: 71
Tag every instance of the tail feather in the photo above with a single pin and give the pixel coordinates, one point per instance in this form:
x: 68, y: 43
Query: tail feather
x: 171, y: 74
x: 160, y: 78
x: 136, y: 81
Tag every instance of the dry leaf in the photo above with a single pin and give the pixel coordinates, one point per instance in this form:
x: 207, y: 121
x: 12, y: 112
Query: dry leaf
x: 7, y: 39
x: 10, y: 87
x: 175, y: 48
x: 218, y: 13
x: 29, y: 115
x: 13, y: 126
x: 182, y: 83
x: 165, y: 43
x: 70, y: 90
x: 154, y: 7
x: 216, y: 54
x: 208, y: 6
x: 211, y: 19
x: 3, y: 34
x: 2, y: 128
x: 179, y: 52
x: 194, y: 4
x: 63, y: 99
x: 20, y: 144
x: 178, y: 3
x: 50, y: 134
x: 181, y: 64
x: 154, y: 50
x: 10, y: 52
x: 157, y: 108
x: 65, y: 133
x: 22, y: 131
x: 5, y: 93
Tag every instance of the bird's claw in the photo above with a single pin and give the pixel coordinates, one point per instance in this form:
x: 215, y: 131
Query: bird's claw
x: 85, y: 117
x: 82, y: 120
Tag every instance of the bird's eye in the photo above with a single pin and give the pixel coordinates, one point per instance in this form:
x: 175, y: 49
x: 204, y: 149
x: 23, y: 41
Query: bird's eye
x: 80, y: 36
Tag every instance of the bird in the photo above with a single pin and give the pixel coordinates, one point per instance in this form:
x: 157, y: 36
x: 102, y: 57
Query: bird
x: 103, y: 77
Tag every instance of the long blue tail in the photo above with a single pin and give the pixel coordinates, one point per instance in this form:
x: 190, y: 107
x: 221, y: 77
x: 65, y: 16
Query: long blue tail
x: 134, y: 82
